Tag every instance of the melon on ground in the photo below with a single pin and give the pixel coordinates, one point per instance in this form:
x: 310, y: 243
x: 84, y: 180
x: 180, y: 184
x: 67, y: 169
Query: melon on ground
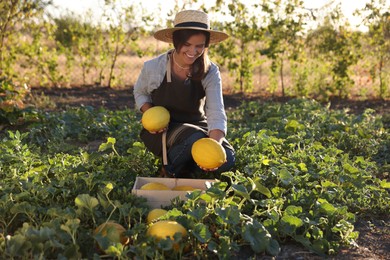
x: 166, y: 228
x: 154, y: 214
x: 113, y: 231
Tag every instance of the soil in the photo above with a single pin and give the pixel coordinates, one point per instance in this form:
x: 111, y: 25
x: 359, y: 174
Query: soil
x: 113, y: 99
x: 374, y: 239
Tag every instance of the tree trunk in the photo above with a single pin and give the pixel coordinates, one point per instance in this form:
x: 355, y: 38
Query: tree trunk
x: 281, y: 77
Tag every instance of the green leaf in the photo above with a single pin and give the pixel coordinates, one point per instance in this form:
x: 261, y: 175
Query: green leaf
x: 198, y: 213
x: 266, y: 161
x: 201, y: 232
x: 293, y: 126
x: 327, y: 183
x: 385, y: 184
x: 205, y: 197
x: 71, y: 226
x: 114, y: 250
x: 241, y: 190
x: 18, y: 245
x: 194, y: 194
x: 350, y: 169
x: 327, y: 208
x: 257, y: 236
x: 289, y: 224
x: 86, y: 201
x: 302, y: 167
x: 285, y: 176
x: 23, y: 207
x: 293, y: 210
x: 229, y: 215
x: 262, y: 189
x: 273, y: 247
x: 107, y: 145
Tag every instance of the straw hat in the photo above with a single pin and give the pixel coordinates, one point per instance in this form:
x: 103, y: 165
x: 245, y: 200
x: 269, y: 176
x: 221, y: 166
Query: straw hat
x: 190, y: 19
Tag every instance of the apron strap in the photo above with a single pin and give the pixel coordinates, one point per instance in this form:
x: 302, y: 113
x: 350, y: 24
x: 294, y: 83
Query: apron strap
x: 169, y: 76
x: 164, y: 147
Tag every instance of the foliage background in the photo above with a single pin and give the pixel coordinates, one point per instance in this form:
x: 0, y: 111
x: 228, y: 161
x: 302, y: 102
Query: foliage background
x: 305, y: 174
x: 272, y: 49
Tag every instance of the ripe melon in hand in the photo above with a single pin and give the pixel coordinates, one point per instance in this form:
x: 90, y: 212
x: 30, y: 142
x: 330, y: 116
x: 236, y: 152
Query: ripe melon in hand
x: 208, y: 153
x: 155, y: 118
x: 114, y: 232
x: 154, y: 186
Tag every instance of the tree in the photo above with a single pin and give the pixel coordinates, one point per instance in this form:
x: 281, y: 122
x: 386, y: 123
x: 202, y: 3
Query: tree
x: 377, y: 18
x: 239, y: 51
x: 284, y: 23
x: 334, y: 43
x: 13, y: 14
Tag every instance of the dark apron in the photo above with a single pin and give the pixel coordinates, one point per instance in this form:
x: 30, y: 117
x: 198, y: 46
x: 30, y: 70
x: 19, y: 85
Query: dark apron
x: 185, y: 103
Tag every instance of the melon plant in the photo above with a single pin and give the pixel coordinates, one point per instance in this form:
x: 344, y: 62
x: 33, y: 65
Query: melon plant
x: 155, y: 118
x: 208, y: 153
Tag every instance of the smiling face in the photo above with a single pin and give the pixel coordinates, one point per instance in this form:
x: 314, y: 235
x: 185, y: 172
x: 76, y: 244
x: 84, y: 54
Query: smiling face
x: 189, y: 45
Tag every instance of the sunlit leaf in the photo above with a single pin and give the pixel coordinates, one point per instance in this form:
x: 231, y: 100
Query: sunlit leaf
x: 293, y: 210
x: 385, y: 184
x: 327, y: 208
x: 350, y: 169
x: 262, y: 189
x: 302, y: 167
x: 293, y: 126
x: 107, y: 145
x: 290, y: 223
x: 86, y: 201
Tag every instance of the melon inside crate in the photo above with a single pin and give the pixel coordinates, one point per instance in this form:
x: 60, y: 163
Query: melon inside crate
x: 162, y: 198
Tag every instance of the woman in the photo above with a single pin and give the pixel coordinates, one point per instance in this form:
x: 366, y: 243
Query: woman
x: 188, y: 84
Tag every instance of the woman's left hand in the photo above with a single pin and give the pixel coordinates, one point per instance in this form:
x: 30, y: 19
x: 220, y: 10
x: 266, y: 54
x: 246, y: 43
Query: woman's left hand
x: 160, y: 131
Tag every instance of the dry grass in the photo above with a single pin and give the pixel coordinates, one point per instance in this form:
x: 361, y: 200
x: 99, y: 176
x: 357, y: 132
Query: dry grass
x: 128, y: 68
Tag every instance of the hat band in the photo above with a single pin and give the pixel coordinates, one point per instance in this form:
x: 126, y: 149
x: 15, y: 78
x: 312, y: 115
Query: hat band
x: 192, y: 24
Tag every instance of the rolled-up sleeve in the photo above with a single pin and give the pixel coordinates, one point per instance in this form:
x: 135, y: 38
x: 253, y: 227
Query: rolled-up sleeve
x: 141, y: 95
x: 151, y: 76
x: 215, y: 109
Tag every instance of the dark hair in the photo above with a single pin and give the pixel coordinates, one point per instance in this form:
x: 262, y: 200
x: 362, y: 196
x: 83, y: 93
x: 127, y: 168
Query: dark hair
x: 201, y: 64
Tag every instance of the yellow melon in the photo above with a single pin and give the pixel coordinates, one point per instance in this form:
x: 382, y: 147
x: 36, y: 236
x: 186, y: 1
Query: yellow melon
x: 114, y: 232
x: 208, y: 153
x: 154, y: 186
x: 165, y: 228
x: 155, y: 118
x: 154, y: 214
x: 183, y: 188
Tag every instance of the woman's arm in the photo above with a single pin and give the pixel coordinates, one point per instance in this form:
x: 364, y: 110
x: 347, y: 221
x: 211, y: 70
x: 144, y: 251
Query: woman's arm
x: 217, y: 135
x: 215, y: 109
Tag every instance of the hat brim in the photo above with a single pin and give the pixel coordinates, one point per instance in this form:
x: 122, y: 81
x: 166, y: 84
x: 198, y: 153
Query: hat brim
x: 165, y: 35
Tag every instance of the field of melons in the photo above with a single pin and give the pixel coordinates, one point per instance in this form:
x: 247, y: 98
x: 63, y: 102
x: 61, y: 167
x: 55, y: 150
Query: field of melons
x: 304, y: 174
